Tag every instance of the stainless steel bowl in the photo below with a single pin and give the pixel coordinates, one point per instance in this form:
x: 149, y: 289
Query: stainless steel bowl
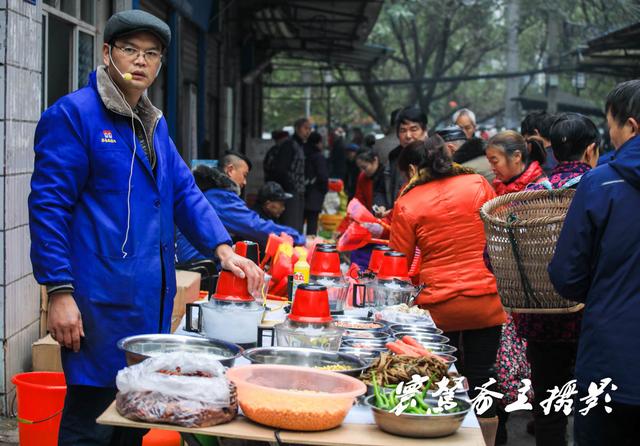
x: 448, y: 359
x: 423, y: 338
x: 366, y: 355
x: 363, y: 334
x: 365, y: 343
x: 420, y: 426
x: 138, y: 348
x: 358, y: 320
x: 306, y: 357
x: 395, y: 328
x: 439, y: 349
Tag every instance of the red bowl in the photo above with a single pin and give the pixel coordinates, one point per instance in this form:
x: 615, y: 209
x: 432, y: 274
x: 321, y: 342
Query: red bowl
x: 311, y: 304
x: 394, y: 266
x: 325, y: 262
x: 377, y: 255
x: 233, y: 288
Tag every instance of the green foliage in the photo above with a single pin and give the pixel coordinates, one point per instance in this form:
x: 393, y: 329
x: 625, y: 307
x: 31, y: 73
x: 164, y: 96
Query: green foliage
x: 448, y: 38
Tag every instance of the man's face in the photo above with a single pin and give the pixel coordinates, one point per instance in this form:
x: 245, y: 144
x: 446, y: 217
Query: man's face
x: 274, y: 209
x: 467, y: 126
x: 350, y: 154
x: 409, y: 132
x: 620, y: 134
x: 237, y: 172
x: 127, y: 54
x: 304, y: 131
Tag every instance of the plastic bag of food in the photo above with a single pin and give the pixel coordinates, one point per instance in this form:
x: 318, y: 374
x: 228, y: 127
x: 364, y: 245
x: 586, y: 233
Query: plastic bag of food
x: 404, y: 314
x: 187, y: 389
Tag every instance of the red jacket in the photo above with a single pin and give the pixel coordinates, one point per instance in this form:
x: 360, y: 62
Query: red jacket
x: 441, y: 218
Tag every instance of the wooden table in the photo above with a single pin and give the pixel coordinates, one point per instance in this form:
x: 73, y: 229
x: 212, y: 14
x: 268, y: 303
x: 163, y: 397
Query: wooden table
x: 347, y: 434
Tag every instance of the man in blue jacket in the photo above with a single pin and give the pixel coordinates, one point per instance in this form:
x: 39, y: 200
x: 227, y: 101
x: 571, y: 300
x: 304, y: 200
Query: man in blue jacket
x: 597, y: 261
x: 108, y: 186
x: 222, y: 188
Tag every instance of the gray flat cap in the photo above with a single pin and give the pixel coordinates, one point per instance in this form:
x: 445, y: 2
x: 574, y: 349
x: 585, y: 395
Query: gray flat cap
x: 453, y: 133
x: 136, y: 20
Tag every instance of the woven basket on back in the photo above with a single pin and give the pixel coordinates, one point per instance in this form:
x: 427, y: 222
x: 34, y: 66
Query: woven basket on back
x: 522, y: 230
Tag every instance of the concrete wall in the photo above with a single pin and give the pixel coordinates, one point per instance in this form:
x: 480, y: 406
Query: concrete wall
x: 20, y: 89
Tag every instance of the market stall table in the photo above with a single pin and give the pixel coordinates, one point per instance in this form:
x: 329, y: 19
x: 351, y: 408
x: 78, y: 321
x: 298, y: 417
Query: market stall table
x: 349, y: 434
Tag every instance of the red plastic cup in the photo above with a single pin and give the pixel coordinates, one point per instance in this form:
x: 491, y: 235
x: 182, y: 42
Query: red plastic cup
x: 377, y: 255
x: 232, y: 288
x: 325, y: 262
x: 394, y: 266
x: 311, y: 304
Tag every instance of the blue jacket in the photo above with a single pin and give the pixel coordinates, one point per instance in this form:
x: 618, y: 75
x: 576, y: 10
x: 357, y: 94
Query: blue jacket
x: 597, y: 261
x: 78, y: 222
x: 241, y: 222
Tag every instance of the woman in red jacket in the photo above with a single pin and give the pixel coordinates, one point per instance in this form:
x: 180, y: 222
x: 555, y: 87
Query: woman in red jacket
x: 372, y: 190
x: 515, y: 168
x: 438, y: 213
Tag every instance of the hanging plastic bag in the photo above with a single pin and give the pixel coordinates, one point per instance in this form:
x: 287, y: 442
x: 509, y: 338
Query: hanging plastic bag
x: 184, y: 388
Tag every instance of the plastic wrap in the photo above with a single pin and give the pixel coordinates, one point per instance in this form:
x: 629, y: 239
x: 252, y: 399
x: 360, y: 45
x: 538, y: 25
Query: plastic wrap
x: 187, y: 389
x: 403, y: 314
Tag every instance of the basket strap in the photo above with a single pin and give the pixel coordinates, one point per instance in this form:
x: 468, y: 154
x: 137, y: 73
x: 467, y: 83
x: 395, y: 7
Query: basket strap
x: 572, y: 182
x: 524, y: 279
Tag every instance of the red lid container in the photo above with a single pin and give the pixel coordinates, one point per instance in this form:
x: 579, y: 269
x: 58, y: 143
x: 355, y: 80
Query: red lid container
x: 311, y: 304
x: 377, y: 255
x: 325, y: 262
x: 248, y: 249
x: 232, y: 288
x: 394, y: 266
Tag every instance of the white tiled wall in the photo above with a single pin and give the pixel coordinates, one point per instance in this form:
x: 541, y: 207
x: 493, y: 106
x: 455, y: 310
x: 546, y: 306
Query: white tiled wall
x: 20, y: 89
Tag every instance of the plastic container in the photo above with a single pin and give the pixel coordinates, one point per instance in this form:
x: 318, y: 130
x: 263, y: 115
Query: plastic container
x: 326, y: 262
x: 300, y: 272
x: 394, y: 265
x: 311, y: 304
x: 377, y: 254
x: 295, y: 398
x: 40, y: 401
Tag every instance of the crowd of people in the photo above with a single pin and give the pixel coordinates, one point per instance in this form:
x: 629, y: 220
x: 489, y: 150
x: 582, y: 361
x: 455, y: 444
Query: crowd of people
x: 429, y: 186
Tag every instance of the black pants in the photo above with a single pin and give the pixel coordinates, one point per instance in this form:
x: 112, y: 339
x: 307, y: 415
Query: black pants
x: 477, y: 351
x: 311, y: 218
x: 293, y: 215
x: 552, y: 365
x: 621, y: 427
x: 78, y: 427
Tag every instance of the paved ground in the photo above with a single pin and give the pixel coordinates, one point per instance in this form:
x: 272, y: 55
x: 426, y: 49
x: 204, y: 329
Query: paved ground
x: 8, y: 432
x: 517, y: 430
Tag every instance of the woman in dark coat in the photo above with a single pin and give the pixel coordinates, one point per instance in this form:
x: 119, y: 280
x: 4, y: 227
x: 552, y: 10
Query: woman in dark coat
x: 316, y: 180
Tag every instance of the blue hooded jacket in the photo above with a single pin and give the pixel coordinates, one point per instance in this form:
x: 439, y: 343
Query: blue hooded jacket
x: 597, y: 261
x: 78, y: 217
x: 241, y: 222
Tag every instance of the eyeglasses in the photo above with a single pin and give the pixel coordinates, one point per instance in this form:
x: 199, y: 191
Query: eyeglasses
x: 132, y: 53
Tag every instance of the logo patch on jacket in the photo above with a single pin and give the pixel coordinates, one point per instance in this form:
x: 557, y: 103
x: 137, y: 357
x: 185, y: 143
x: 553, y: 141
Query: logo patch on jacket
x: 107, y: 137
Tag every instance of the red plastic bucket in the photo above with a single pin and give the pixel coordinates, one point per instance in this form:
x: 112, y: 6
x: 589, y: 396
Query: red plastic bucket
x: 40, y: 402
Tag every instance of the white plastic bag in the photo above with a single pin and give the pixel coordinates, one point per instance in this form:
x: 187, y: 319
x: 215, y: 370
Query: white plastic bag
x: 161, y: 389
x: 403, y: 314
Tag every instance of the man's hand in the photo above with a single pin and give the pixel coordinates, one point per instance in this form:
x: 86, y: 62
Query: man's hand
x: 64, y: 321
x: 241, y: 267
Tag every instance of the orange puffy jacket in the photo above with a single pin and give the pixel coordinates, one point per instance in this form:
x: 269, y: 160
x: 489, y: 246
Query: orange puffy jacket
x: 441, y: 218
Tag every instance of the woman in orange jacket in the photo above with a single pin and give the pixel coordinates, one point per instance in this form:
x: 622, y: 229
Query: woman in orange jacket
x: 438, y: 213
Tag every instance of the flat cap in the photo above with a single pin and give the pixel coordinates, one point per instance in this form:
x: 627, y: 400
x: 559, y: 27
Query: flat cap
x: 453, y: 133
x: 272, y: 191
x: 136, y: 20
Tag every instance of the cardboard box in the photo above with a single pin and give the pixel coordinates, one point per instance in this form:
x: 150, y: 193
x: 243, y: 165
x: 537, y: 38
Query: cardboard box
x: 45, y: 355
x: 188, y: 291
x: 44, y: 309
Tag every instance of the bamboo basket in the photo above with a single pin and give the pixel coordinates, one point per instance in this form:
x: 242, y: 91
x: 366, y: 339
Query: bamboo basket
x: 522, y: 230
